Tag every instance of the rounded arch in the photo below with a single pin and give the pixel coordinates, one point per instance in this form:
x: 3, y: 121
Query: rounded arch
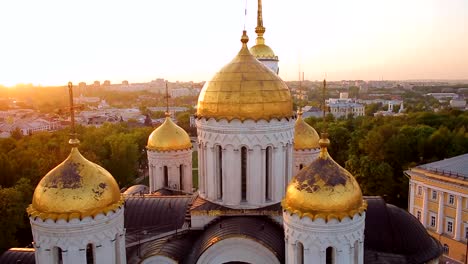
x: 237, y: 249
x: 158, y: 259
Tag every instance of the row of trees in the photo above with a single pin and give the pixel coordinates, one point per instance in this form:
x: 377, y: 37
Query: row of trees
x: 25, y: 160
x: 377, y: 150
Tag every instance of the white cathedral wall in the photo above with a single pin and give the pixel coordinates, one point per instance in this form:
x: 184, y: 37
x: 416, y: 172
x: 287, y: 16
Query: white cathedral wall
x: 316, y: 236
x: 105, y: 232
x: 256, y: 137
x: 272, y: 64
x: 172, y: 159
x: 237, y: 249
x: 304, y: 158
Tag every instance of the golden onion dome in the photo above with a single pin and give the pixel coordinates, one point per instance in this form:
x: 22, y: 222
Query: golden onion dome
x: 245, y: 89
x: 262, y: 51
x: 76, y: 188
x: 305, y: 136
x: 324, y: 190
x: 169, y: 137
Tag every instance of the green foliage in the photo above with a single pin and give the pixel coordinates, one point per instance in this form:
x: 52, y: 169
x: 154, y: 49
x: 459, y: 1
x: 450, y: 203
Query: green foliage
x: 13, y: 203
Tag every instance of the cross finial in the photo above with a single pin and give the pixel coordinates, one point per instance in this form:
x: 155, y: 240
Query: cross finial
x: 73, y: 139
x: 167, y: 100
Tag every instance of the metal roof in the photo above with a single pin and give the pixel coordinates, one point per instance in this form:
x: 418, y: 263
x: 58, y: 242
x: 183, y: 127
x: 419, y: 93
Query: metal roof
x: 455, y: 167
x: 18, y: 256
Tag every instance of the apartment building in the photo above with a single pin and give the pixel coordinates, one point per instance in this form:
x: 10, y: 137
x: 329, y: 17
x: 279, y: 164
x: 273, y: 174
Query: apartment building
x: 438, y: 197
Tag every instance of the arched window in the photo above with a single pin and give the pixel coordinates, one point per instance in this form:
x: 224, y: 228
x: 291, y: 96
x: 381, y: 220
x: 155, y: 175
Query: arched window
x: 166, y: 177
x: 219, y: 163
x: 58, y: 257
x: 90, y: 254
x: 268, y: 174
x: 301, y: 166
x: 446, y: 249
x: 243, y: 174
x: 299, y: 253
x: 181, y: 177
x: 330, y: 255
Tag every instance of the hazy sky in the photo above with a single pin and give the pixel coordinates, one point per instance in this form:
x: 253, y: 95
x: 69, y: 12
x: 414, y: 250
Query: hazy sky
x: 52, y: 42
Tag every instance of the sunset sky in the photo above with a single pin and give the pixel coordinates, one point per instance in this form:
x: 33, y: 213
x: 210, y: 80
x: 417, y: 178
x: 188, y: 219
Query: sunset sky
x: 52, y: 42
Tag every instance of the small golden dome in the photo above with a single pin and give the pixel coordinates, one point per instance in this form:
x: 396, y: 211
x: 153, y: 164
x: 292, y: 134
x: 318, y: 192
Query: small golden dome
x: 245, y: 89
x: 305, y: 136
x: 262, y: 51
x: 324, y: 189
x: 169, y: 137
x: 76, y: 188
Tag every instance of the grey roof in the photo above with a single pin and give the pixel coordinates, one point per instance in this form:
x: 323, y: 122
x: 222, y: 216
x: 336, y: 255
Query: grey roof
x: 456, y: 166
x: 18, y: 256
x: 149, y: 215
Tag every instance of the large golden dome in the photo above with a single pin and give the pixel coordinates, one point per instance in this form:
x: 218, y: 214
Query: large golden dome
x: 169, y: 137
x: 305, y: 136
x: 76, y: 188
x: 324, y: 189
x: 245, y: 89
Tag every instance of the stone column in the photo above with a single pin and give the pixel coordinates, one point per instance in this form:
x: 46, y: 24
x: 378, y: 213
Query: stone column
x: 105, y: 252
x: 254, y: 188
x: 201, y: 174
x: 74, y: 256
x: 314, y: 255
x: 262, y: 182
x: 458, y: 219
x: 440, y: 213
x: 210, y: 174
x: 424, y: 207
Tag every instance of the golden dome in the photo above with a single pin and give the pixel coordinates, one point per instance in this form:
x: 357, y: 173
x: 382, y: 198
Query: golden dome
x: 168, y: 137
x: 324, y: 189
x: 245, y: 89
x: 262, y: 51
x: 305, y: 136
x: 76, y: 188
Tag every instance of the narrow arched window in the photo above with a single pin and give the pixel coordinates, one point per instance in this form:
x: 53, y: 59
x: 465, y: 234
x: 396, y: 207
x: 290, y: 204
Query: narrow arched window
x: 181, y: 177
x: 299, y: 253
x: 220, y: 172
x: 58, y: 255
x: 90, y: 254
x: 268, y: 174
x: 243, y: 174
x: 301, y: 166
x: 166, y: 177
x: 330, y: 255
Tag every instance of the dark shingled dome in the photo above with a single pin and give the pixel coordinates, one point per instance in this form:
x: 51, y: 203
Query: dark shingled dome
x: 393, y: 233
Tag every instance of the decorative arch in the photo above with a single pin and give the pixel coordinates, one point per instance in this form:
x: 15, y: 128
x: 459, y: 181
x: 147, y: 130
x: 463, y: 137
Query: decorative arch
x: 158, y: 259
x: 237, y: 249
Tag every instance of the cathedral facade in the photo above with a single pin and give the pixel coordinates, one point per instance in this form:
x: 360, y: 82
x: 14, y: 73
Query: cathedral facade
x: 268, y: 191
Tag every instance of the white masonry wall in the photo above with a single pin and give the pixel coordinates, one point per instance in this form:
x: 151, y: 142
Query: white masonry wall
x: 314, y: 237
x: 256, y: 136
x: 304, y: 158
x: 106, y: 233
x: 173, y: 160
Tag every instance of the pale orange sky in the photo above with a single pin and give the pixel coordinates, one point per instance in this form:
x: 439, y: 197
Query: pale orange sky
x: 52, y: 42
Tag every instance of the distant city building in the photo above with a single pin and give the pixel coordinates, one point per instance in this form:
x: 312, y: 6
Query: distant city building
x: 443, y: 96
x: 106, y: 83
x: 345, y: 107
x: 438, y: 197
x: 97, y: 83
x: 459, y: 103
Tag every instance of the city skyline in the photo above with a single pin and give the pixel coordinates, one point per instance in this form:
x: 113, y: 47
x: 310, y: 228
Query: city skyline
x: 51, y: 42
